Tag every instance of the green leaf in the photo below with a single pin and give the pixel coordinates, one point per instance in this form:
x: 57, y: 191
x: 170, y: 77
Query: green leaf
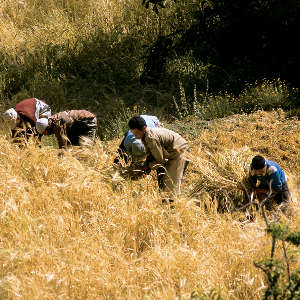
x: 294, y: 238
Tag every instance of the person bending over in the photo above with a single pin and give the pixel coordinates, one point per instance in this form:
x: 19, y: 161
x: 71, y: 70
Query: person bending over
x: 165, y: 149
x: 132, y: 149
x: 73, y: 127
x: 22, y: 120
x: 266, y: 177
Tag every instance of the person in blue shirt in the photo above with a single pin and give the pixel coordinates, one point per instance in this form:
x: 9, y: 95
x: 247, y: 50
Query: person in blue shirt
x: 132, y: 149
x: 267, y: 177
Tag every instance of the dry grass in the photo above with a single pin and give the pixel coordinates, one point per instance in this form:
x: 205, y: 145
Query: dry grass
x: 226, y: 150
x: 30, y: 24
x: 69, y: 231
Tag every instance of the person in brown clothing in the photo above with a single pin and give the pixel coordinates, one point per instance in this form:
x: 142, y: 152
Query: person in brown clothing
x: 73, y: 127
x: 22, y: 120
x: 165, y: 148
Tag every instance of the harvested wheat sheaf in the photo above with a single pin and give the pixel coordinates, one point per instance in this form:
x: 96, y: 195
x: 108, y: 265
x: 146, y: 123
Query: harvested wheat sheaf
x: 70, y: 229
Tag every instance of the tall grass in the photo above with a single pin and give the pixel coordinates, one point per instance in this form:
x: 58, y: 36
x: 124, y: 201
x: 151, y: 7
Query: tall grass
x: 264, y: 95
x: 90, y: 54
x: 71, y: 229
x: 73, y: 51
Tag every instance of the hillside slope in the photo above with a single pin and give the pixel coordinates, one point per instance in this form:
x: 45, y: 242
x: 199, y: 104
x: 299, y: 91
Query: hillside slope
x: 71, y: 229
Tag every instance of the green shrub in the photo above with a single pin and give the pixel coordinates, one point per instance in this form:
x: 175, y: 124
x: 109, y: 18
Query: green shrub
x: 116, y: 122
x: 267, y: 95
x: 215, y: 106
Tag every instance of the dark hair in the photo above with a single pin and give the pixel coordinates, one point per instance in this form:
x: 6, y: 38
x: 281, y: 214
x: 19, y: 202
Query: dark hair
x: 137, y: 122
x: 258, y: 162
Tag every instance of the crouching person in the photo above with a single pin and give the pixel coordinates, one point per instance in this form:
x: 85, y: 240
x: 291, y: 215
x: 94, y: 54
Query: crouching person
x: 166, y: 150
x: 267, y: 179
x: 73, y: 127
x: 22, y: 119
x: 131, y: 149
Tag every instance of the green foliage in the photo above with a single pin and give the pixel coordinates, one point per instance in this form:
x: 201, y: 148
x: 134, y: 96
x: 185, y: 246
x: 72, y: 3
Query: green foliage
x: 279, y: 286
x: 281, y: 283
x: 204, y: 106
x: 116, y: 123
x: 98, y: 67
x: 215, y: 106
x: 90, y: 68
x: 278, y: 231
x: 293, y: 238
x: 187, y: 68
x: 281, y: 232
x: 84, y: 62
x: 181, y: 105
x: 239, y: 38
x: 266, y: 95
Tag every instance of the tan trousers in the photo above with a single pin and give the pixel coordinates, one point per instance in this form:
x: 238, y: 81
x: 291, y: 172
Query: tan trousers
x: 174, y: 174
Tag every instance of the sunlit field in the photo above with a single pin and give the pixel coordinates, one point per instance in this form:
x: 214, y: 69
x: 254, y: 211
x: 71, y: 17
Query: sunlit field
x: 72, y: 228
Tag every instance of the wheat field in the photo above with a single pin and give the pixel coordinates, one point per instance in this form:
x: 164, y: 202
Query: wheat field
x: 72, y: 229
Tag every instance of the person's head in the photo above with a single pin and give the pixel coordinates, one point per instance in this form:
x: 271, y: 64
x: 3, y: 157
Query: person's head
x: 53, y: 124
x: 258, y: 166
x: 137, y: 126
x: 41, y: 125
x: 11, y: 118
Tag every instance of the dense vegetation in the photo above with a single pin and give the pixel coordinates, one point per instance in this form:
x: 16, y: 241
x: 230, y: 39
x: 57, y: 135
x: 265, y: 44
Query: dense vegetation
x: 104, y: 55
x: 238, y: 41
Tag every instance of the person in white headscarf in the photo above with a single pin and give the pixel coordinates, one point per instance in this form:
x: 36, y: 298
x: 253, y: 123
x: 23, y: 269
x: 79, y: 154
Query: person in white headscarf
x: 28, y: 118
x: 10, y: 117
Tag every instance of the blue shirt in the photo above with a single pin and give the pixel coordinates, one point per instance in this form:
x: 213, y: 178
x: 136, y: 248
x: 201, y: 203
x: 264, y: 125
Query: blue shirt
x: 134, y: 146
x: 274, y: 173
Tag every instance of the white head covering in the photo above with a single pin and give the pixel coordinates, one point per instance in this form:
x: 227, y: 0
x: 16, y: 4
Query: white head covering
x: 41, y: 125
x: 10, y: 117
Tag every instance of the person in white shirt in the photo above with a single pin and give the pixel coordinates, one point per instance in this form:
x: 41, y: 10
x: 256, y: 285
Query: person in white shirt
x: 24, y: 120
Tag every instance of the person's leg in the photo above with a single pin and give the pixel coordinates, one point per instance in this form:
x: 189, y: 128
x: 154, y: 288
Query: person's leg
x: 185, y: 167
x: 284, y: 195
x: 73, y: 135
x: 174, y: 173
x: 122, y: 154
x: 88, y: 132
x: 160, y: 177
x: 283, y: 199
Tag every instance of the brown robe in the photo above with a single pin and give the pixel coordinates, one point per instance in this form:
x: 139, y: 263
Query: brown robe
x: 71, y: 127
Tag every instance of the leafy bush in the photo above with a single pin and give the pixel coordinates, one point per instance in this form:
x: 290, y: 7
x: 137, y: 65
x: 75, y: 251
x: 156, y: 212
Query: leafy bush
x: 282, y: 283
x: 267, y: 95
x: 116, y: 123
